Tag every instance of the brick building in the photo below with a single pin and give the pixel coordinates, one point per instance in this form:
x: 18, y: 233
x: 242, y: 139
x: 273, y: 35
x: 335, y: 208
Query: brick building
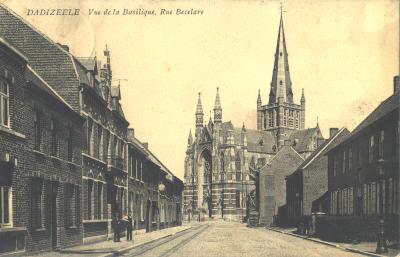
x: 154, y: 192
x: 363, y: 170
x: 309, y: 181
x: 219, y: 156
x: 272, y: 183
x: 43, y: 171
x: 64, y: 146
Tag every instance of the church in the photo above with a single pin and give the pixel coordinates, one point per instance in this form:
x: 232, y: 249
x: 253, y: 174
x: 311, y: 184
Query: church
x: 221, y: 158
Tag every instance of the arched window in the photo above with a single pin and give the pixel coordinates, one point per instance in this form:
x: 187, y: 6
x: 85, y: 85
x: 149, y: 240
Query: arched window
x: 222, y: 163
x: 238, y: 167
x: 252, y: 163
x: 238, y: 162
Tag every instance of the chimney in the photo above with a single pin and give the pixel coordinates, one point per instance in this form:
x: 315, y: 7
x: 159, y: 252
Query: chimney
x: 287, y: 142
x: 131, y: 132
x: 332, y: 132
x: 396, y: 84
x: 65, y: 47
x: 146, y: 145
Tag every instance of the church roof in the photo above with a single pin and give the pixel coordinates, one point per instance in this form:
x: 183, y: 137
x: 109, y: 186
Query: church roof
x: 260, y: 141
x: 302, y: 138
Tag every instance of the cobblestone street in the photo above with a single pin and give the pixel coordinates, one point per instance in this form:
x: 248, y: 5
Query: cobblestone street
x: 220, y: 238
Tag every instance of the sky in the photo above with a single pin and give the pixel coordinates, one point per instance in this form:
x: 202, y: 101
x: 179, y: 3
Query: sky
x: 343, y: 53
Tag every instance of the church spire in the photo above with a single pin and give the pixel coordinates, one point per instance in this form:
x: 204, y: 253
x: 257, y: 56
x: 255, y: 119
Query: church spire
x: 259, y: 101
x: 281, y: 85
x: 217, y: 109
x: 199, y: 113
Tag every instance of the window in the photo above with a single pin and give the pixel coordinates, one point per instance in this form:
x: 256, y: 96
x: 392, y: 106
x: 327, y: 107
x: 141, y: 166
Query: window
x: 37, y: 130
x: 350, y: 159
x: 106, y: 142
x: 344, y: 162
x: 381, y: 140
x: 54, y: 137
x: 141, y: 171
x: 222, y: 163
x: 237, y: 199
x: 5, y: 204
x: 38, y: 205
x: 89, y: 137
x: 4, y: 104
x: 334, y: 160
x: 100, y: 200
x: 89, y: 199
x: 371, y: 149
x: 135, y: 169
x: 238, y: 167
x: 70, y: 144
x: 100, y: 141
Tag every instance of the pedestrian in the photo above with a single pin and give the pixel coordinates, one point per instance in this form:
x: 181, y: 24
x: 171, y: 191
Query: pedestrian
x: 118, y: 229
x: 129, y: 229
x: 114, y: 225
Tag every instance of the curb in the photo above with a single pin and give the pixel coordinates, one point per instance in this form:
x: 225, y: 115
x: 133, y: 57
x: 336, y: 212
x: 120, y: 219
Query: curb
x: 349, y: 249
x: 127, y: 249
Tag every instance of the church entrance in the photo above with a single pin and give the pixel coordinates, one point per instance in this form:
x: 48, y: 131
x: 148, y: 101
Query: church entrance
x: 205, y: 176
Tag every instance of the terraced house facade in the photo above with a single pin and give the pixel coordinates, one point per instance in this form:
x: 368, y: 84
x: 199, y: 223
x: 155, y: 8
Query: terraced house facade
x: 64, y: 166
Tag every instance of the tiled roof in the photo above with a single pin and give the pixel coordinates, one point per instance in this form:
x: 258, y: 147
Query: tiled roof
x: 303, y: 138
x: 47, y: 58
x: 292, y: 160
x: 326, y: 146
x: 260, y: 141
x: 89, y: 63
x: 387, y: 106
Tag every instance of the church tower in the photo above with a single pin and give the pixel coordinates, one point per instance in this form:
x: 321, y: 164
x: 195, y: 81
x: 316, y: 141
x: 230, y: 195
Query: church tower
x: 199, y: 117
x: 281, y: 115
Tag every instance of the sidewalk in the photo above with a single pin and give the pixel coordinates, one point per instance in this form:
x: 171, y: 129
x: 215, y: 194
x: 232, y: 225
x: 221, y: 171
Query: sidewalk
x: 365, y: 248
x: 110, y: 248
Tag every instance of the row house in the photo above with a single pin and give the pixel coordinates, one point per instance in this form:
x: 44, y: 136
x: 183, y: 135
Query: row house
x: 63, y: 144
x: 309, y: 182
x: 40, y: 167
x: 363, y: 170
x: 154, y: 199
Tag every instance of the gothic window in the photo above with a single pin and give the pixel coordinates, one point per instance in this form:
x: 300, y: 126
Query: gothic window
x: 344, y: 162
x: 238, y: 167
x: 100, y: 141
x: 271, y: 119
x: 265, y: 121
x: 89, y: 137
x: 222, y: 163
x: 280, y: 82
x: 89, y: 198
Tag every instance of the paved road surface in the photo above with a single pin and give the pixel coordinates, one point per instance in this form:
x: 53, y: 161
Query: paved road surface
x: 230, y: 239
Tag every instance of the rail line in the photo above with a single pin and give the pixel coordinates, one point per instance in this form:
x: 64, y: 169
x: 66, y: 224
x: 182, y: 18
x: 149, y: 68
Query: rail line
x: 148, y: 247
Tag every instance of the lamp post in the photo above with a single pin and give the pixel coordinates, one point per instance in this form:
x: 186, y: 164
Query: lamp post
x: 381, y: 246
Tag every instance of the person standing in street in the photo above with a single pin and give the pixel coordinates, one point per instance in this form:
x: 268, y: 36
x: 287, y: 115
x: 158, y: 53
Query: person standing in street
x: 129, y: 229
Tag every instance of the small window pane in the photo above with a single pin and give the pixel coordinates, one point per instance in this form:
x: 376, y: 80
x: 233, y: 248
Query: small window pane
x: 5, y: 111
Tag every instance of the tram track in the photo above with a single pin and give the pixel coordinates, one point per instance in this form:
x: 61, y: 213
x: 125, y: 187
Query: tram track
x: 180, y: 237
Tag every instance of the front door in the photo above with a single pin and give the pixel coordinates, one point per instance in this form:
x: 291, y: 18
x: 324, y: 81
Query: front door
x: 53, y: 220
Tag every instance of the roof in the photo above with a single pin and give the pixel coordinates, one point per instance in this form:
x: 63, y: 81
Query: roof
x: 387, y: 106
x: 303, y: 137
x: 326, y: 146
x: 260, y: 141
x: 37, y: 80
x: 89, y: 63
x: 13, y: 49
x: 49, y: 60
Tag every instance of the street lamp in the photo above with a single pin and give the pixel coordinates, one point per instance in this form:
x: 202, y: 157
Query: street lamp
x: 381, y: 246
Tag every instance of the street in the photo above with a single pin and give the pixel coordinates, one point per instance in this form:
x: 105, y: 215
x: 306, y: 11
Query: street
x: 218, y: 238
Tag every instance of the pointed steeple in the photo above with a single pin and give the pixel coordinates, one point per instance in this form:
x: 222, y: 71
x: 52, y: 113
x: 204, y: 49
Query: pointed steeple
x: 303, y: 98
x: 259, y: 101
x: 281, y: 85
x: 199, y: 113
x: 217, y: 109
